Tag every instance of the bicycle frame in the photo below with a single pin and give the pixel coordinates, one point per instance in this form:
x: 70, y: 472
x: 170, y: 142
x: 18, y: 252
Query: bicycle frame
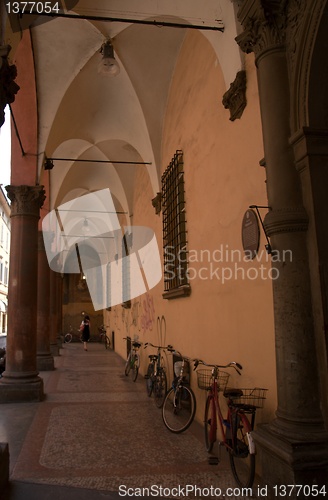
x: 228, y: 427
x: 157, y: 380
x: 158, y: 362
x: 133, y: 359
x: 134, y: 354
x: 179, y: 406
x: 236, y: 429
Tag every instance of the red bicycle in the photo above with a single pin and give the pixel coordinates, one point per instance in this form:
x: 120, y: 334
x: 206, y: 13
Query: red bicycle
x: 236, y: 429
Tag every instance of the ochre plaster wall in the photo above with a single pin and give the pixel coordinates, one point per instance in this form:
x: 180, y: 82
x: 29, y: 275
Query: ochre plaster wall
x: 220, y: 321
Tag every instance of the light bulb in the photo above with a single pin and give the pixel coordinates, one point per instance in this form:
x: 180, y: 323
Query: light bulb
x: 85, y: 227
x: 108, y: 64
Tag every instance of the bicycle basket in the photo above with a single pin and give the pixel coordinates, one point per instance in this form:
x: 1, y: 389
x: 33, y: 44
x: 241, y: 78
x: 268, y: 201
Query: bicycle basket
x: 205, y: 379
x: 254, y: 397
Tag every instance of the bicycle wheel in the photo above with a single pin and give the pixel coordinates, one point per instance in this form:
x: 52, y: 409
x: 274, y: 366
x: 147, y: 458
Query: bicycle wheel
x: 210, y: 423
x: 160, y: 387
x: 107, y: 342
x: 150, y: 379
x: 128, y: 365
x: 135, y: 367
x: 68, y: 338
x: 242, y: 462
x: 179, y: 408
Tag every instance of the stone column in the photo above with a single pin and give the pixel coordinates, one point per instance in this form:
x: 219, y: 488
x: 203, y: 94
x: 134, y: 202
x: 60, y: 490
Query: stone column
x: 54, y: 312
x: 60, y: 308
x: 21, y: 381
x: 311, y: 155
x: 293, y: 447
x: 45, y: 360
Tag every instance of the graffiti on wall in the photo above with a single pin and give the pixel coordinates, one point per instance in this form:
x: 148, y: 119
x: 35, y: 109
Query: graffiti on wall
x: 147, y: 318
x: 141, y: 318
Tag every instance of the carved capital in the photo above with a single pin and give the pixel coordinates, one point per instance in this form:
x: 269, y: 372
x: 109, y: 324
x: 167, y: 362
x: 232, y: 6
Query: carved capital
x: 26, y: 200
x: 235, y: 98
x: 264, y: 23
x: 157, y: 203
x: 8, y: 86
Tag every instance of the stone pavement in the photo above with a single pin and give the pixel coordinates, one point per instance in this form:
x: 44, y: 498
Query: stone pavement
x: 96, y: 434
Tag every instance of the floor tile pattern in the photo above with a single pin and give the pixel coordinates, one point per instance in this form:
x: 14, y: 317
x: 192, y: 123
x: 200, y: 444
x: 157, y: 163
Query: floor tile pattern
x: 98, y: 429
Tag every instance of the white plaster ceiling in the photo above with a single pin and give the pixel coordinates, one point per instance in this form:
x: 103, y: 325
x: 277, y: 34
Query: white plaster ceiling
x: 84, y: 115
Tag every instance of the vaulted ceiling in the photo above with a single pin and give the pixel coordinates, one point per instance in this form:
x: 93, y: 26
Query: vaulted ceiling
x: 84, y: 115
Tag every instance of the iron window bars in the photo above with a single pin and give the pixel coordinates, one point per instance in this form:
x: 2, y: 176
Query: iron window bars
x: 176, y: 281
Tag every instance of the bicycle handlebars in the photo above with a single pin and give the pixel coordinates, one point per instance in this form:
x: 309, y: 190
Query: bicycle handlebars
x: 232, y: 364
x: 168, y: 347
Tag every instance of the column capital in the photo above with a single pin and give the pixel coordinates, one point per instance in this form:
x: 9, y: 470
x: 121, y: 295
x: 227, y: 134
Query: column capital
x: 286, y: 220
x: 26, y: 200
x: 8, y: 86
x: 264, y: 23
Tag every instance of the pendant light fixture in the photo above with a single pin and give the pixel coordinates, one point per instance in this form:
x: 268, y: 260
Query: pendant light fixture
x: 108, y: 64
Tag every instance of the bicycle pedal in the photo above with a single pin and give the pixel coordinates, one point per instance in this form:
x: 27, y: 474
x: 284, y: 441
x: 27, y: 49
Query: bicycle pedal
x: 213, y: 460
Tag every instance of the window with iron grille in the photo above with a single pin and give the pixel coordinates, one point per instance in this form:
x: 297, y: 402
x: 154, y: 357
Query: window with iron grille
x: 176, y: 282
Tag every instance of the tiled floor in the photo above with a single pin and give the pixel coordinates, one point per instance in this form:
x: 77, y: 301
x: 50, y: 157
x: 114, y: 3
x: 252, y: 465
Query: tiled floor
x: 98, y: 430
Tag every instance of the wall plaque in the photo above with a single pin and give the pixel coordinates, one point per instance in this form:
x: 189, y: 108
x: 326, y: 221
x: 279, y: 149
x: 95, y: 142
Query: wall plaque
x: 250, y: 234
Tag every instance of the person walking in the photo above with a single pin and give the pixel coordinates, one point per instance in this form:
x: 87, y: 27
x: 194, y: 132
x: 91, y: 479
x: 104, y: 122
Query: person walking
x: 85, y: 328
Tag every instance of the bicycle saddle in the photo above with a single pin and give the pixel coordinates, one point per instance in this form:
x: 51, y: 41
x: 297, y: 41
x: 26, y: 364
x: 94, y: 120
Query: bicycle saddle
x: 136, y: 344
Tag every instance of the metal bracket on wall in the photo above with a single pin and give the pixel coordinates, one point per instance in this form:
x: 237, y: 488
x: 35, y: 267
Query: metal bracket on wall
x: 268, y: 245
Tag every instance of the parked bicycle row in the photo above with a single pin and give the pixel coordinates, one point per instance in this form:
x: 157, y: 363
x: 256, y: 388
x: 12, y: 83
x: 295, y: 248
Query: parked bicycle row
x: 178, y: 404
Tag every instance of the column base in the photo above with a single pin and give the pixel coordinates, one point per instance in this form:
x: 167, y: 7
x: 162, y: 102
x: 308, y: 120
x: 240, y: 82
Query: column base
x: 287, y: 461
x: 21, y: 389
x: 45, y: 362
x: 54, y: 349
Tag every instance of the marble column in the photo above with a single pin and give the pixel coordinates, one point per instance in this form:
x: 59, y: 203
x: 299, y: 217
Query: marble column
x: 45, y: 360
x: 21, y: 381
x: 293, y: 448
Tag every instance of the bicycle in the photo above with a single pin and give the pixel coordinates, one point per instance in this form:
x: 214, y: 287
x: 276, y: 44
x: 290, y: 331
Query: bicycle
x: 103, y: 336
x: 72, y: 334
x: 133, y: 360
x: 156, y: 375
x: 179, y: 407
x: 236, y: 429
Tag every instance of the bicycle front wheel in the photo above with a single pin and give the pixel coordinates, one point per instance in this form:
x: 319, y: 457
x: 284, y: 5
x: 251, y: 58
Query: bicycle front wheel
x: 128, y: 365
x: 135, y: 368
x: 179, y: 408
x: 242, y: 462
x: 68, y: 338
x: 160, y: 387
x: 107, y: 342
x: 210, y: 423
x: 150, y: 379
